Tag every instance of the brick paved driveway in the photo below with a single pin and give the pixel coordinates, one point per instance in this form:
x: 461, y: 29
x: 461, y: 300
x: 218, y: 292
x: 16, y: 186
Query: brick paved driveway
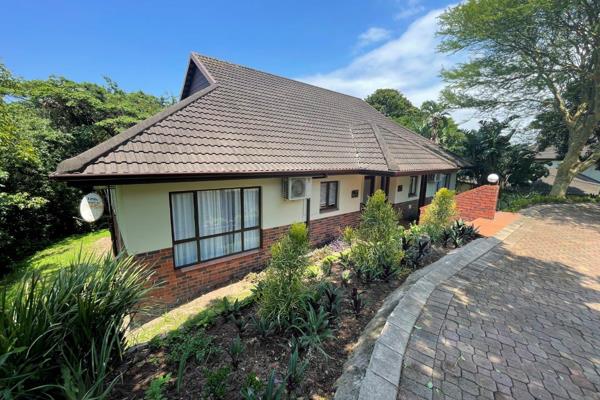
x: 527, y: 327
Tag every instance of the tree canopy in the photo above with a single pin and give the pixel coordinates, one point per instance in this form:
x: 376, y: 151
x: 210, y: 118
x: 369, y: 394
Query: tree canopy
x: 490, y: 150
x: 528, y: 56
x: 431, y: 120
x: 41, y: 123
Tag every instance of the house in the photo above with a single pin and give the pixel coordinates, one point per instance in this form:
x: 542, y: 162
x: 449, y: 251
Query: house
x: 201, y: 190
x: 587, y: 182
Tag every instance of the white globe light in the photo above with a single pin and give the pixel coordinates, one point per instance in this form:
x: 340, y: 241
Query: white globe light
x: 493, y: 178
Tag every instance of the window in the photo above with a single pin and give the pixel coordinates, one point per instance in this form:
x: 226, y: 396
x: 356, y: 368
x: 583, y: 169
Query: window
x: 368, y: 188
x: 329, y: 195
x: 211, y: 224
x: 413, y: 186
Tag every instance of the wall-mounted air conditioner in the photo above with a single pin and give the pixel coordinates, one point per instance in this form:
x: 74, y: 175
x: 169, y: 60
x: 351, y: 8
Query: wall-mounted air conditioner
x: 296, y: 188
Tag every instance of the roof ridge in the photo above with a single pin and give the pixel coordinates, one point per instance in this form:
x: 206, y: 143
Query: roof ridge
x: 277, y: 76
x: 80, y: 161
x: 385, y: 151
x: 418, y: 144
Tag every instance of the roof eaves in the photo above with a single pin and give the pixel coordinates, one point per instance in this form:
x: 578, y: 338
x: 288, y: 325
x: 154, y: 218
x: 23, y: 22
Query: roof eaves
x: 79, y: 162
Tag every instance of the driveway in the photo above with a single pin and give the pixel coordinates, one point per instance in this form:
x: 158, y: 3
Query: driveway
x: 526, y: 327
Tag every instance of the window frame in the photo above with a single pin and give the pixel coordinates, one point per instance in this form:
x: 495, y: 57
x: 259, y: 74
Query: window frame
x: 412, y: 193
x: 197, y: 237
x: 328, y: 207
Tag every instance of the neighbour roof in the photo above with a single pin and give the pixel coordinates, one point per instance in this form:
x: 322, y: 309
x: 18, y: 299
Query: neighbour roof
x: 237, y: 120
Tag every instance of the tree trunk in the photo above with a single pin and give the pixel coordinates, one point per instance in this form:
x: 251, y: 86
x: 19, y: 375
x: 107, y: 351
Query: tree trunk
x: 563, y: 179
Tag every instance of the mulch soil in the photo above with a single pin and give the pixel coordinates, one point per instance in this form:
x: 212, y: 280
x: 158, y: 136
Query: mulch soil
x: 261, y: 355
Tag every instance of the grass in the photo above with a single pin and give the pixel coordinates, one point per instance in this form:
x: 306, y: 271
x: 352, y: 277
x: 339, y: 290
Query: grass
x: 61, y: 253
x: 198, y: 315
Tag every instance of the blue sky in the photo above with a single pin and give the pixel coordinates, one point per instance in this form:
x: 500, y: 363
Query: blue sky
x: 349, y: 46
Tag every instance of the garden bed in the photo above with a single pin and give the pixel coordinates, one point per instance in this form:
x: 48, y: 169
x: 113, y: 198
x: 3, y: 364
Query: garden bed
x: 261, y: 356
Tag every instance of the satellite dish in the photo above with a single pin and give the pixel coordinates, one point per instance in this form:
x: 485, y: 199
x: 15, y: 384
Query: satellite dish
x: 91, y: 207
x: 493, y: 178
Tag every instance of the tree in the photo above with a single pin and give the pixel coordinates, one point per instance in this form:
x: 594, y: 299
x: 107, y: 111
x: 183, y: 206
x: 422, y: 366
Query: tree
x: 431, y: 120
x: 527, y: 55
x: 44, y: 122
x: 393, y: 104
x: 490, y: 150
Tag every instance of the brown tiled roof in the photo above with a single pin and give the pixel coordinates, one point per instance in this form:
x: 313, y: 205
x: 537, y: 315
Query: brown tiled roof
x: 252, y: 122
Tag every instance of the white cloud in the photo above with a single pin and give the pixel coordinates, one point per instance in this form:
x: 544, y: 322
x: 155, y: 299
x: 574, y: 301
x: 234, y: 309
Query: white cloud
x: 372, y: 35
x: 409, y: 63
x: 412, y: 8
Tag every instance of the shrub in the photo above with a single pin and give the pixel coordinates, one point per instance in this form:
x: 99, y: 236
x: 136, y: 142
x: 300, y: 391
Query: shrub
x: 156, y: 390
x: 61, y: 333
x: 280, y: 293
x: 459, y: 233
x: 416, y: 244
x: 271, y: 392
x: 327, y: 265
x: 513, y: 201
x: 377, y: 251
x: 348, y: 235
x: 440, y: 213
x: 357, y: 302
x: 295, y: 373
x: 330, y: 298
x: 313, y: 329
x: 236, y: 350
x: 216, y: 385
x: 264, y: 327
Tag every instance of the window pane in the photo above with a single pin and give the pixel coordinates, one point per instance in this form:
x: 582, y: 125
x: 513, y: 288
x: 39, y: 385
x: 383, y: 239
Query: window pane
x: 332, y: 200
x: 186, y: 253
x: 251, y: 208
x: 323, y: 202
x: 219, y: 211
x: 251, y: 239
x: 220, y: 246
x: 182, y: 211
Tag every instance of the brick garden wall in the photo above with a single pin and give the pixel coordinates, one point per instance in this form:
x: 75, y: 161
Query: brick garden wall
x: 476, y: 203
x: 178, y: 285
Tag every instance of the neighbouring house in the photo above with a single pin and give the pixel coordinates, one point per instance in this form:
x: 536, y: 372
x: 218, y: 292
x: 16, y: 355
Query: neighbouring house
x: 587, y: 182
x: 201, y: 190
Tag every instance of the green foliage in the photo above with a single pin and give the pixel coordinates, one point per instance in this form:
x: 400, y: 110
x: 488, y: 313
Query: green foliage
x: 515, y: 201
x: 357, y: 302
x: 252, y: 387
x: 236, y: 351
x: 182, y: 345
x: 59, y: 334
x: 393, y: 104
x: 377, y: 251
x: 459, y: 233
x: 490, y: 150
x: 416, y: 244
x: 313, y: 329
x: 348, y: 235
x: 263, y: 326
x: 345, y: 278
x: 271, y: 392
x: 524, y: 63
x: 330, y: 298
x: 327, y: 264
x: 439, y: 214
x: 295, y: 373
x: 42, y: 123
x: 157, y: 387
x: 281, y: 291
x: 217, y: 385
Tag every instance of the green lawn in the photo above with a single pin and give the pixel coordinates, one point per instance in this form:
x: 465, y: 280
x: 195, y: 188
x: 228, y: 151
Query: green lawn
x: 59, y: 254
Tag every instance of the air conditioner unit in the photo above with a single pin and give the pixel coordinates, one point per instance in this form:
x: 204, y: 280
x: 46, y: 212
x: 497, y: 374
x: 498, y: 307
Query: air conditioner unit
x: 296, y: 188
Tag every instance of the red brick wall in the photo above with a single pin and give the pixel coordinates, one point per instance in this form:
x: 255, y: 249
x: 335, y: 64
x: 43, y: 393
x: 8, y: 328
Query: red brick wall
x: 479, y: 202
x: 177, y: 285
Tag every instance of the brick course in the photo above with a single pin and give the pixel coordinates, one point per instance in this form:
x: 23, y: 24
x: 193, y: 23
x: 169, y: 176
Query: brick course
x: 479, y: 202
x: 178, y: 285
